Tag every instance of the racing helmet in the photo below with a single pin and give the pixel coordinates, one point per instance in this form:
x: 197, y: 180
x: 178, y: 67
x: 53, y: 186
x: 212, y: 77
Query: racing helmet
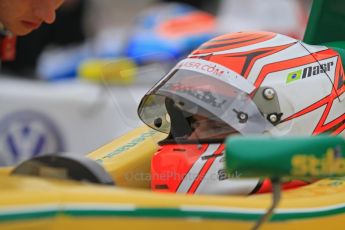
x: 245, y: 83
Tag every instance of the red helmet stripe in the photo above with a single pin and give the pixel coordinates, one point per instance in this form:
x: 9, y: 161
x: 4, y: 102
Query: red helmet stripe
x: 340, y: 129
x: 261, y: 53
x: 166, y: 179
x: 309, y: 109
x: 237, y: 37
x: 226, y: 38
x: 288, y: 64
x: 205, y: 169
x: 321, y: 127
x: 204, y: 149
x: 233, y: 41
x: 339, y: 78
x: 230, y: 44
x: 242, y: 62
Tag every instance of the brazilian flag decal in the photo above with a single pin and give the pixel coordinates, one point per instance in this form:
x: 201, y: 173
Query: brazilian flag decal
x: 293, y: 76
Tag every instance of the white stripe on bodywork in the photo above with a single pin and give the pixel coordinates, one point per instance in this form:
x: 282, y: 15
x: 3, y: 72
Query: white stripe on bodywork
x: 8, y: 210
x: 195, y: 170
x: 337, y: 110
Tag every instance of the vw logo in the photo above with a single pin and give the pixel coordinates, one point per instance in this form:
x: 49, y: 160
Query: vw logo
x: 27, y: 134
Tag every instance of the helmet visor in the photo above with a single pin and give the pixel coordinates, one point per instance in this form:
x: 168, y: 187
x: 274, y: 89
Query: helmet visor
x: 193, y: 101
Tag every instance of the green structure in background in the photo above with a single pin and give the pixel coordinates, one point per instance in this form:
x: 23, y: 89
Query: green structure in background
x: 326, y: 22
x: 326, y: 25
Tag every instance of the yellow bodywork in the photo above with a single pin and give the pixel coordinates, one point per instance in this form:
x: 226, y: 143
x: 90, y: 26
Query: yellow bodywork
x: 128, y: 158
x: 44, y: 203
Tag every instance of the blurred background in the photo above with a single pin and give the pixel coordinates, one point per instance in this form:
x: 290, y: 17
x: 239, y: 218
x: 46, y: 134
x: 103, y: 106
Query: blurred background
x: 75, y: 85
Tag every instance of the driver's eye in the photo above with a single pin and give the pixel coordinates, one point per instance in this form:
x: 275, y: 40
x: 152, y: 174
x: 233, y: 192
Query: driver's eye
x: 194, y: 125
x: 217, y: 125
x: 198, y: 123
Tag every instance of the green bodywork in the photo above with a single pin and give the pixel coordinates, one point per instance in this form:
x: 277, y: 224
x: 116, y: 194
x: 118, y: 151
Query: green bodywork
x: 293, y: 157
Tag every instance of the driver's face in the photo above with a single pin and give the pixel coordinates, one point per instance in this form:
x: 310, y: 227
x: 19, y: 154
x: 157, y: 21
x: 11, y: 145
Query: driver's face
x: 204, y: 128
x: 23, y: 16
